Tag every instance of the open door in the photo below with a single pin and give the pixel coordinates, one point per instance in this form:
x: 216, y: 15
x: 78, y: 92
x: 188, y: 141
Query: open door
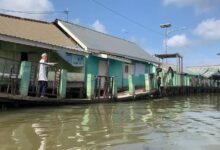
x: 24, y: 56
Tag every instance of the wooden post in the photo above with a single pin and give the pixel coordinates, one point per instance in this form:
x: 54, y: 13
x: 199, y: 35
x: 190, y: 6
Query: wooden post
x: 147, y: 82
x: 131, y: 85
x: 90, y: 86
x: 63, y: 84
x: 25, y: 73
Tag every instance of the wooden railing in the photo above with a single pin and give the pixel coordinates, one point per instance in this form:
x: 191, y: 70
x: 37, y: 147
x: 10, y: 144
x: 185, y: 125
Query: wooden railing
x: 103, y: 87
x: 9, y: 75
x: 53, y: 73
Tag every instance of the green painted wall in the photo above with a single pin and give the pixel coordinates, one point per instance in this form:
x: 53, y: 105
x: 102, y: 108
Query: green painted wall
x: 147, y: 68
x: 92, y: 65
x: 116, y: 69
x: 153, y: 68
x: 13, y: 51
x: 139, y: 80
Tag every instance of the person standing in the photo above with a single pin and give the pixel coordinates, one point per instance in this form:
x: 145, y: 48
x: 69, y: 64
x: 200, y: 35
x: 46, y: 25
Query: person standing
x: 42, y: 75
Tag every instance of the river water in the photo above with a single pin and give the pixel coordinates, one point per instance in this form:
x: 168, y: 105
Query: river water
x: 162, y: 124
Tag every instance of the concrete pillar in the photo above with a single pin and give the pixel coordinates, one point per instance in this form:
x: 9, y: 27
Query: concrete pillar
x: 131, y: 85
x: 25, y: 74
x: 188, y: 80
x: 147, y: 82
x: 174, y: 79
x: 153, y: 81
x: 63, y: 83
x: 114, y: 87
x: 184, y: 80
x: 90, y: 86
x: 177, y: 79
x: 199, y: 82
x: 170, y: 79
x: 161, y: 76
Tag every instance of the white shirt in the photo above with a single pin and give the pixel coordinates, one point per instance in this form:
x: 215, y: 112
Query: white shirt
x: 42, y: 76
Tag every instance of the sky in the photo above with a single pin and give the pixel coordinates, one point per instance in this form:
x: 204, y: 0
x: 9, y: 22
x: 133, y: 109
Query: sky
x: 195, y: 31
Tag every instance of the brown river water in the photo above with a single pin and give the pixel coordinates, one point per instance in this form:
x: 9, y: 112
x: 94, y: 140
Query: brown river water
x: 177, y: 123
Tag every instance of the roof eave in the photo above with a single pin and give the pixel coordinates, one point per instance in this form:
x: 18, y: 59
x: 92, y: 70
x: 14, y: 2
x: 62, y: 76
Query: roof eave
x: 65, y: 29
x: 18, y: 40
x: 123, y: 56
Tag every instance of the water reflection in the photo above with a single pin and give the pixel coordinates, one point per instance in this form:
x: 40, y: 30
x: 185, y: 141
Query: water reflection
x: 176, y: 123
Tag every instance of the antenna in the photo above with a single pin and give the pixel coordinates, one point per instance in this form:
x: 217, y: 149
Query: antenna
x: 67, y: 14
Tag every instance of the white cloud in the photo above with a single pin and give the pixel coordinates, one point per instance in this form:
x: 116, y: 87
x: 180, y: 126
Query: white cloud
x: 27, y: 5
x: 139, y: 41
x: 209, y: 29
x: 98, y: 26
x: 178, y: 41
x: 142, y: 42
x: 76, y: 21
x: 200, y: 6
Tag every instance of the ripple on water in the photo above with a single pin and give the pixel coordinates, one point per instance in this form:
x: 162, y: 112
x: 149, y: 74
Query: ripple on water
x: 174, y: 123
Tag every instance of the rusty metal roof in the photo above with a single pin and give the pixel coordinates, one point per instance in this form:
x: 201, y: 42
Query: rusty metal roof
x: 35, y: 31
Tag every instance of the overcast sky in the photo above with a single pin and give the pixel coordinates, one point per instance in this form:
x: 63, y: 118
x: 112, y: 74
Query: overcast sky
x: 139, y: 21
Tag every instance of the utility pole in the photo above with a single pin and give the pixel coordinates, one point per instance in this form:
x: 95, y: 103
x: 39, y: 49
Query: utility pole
x: 67, y: 14
x: 166, y: 26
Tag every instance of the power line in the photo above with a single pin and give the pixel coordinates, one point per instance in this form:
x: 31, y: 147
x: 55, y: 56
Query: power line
x: 126, y: 18
x: 66, y: 12
x: 32, y: 12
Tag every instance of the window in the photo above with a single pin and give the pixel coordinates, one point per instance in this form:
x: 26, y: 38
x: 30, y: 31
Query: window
x: 139, y: 69
x: 126, y: 68
x: 24, y: 56
x: 74, y: 60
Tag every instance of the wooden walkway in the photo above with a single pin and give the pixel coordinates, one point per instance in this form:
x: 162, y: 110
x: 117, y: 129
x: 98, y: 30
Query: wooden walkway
x: 18, y: 100
x: 138, y: 94
x: 38, y: 101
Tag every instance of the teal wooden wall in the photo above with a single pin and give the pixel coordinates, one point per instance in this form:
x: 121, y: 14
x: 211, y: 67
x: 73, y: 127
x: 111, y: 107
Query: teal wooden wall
x: 153, y: 68
x: 116, y: 70
x: 139, y: 80
x: 147, y: 68
x: 92, y: 65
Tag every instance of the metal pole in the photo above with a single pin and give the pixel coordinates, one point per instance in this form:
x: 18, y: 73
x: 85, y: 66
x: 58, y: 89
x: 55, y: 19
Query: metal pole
x: 182, y: 64
x: 177, y: 64
x: 67, y: 14
x: 166, y: 35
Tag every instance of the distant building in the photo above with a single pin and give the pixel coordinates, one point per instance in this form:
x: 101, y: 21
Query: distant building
x: 209, y: 71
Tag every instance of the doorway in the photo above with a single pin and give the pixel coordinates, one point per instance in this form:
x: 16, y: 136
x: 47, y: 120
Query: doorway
x: 24, y: 56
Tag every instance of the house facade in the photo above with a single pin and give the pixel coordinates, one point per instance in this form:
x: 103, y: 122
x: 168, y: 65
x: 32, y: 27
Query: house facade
x: 26, y: 39
x: 111, y: 56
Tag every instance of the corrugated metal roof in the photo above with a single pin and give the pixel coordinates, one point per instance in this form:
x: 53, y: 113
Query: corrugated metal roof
x: 206, y: 71
x: 97, y: 41
x: 33, y: 30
